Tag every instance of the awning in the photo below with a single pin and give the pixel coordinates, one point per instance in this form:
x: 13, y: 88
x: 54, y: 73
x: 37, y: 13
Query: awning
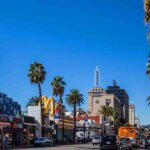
x: 30, y: 124
x: 46, y: 126
x: 5, y: 124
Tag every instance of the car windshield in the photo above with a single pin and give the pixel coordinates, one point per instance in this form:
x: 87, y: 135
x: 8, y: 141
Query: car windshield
x: 124, y: 140
x: 40, y: 139
x: 96, y: 137
x: 48, y: 138
x: 109, y: 138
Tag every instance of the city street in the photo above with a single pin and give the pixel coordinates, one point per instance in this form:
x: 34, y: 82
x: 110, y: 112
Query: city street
x: 73, y: 147
x: 74, y: 74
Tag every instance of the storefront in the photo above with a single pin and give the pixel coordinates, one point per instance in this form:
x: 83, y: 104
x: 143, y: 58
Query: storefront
x: 5, y: 128
x: 17, y: 131
x: 46, y: 128
x: 68, y: 130
x: 29, y: 131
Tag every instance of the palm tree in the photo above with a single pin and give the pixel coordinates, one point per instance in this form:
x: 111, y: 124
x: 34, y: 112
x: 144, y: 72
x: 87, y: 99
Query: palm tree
x: 148, y: 66
x: 104, y: 110
x: 36, y: 74
x: 33, y: 101
x: 115, y: 116
x: 58, y: 86
x: 148, y: 100
x: 74, y: 99
x: 147, y: 10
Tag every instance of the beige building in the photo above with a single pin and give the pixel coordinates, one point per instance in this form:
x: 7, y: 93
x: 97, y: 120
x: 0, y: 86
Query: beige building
x: 132, y: 114
x: 98, y: 97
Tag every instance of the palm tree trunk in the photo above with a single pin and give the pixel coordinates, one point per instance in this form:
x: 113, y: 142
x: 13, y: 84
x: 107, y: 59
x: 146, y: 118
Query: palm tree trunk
x: 104, y: 130
x: 40, y: 97
x: 74, y: 123
x: 60, y: 99
x: 104, y: 118
x: 110, y: 124
x: 62, y: 114
x: 114, y: 124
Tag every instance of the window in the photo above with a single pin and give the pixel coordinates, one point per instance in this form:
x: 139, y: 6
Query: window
x: 97, y: 101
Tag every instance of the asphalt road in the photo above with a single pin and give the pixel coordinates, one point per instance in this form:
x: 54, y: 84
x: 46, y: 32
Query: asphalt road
x: 72, y: 147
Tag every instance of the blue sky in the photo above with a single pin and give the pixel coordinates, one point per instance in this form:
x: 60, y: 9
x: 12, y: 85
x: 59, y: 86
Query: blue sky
x: 71, y: 38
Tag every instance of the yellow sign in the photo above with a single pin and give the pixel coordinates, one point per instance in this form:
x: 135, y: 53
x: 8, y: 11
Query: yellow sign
x: 48, y: 105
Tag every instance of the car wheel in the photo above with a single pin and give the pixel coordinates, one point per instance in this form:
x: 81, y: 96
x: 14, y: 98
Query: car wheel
x: 46, y: 144
x: 51, y: 144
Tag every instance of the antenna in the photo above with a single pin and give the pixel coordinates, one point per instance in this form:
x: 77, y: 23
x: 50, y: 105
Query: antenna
x: 114, y: 83
x: 96, y: 77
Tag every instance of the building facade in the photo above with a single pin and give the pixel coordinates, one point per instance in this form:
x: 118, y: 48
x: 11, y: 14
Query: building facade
x: 137, y: 121
x: 11, y: 123
x: 98, y: 97
x: 29, y: 129
x: 35, y: 111
x: 8, y: 106
x: 122, y: 95
x: 132, y: 114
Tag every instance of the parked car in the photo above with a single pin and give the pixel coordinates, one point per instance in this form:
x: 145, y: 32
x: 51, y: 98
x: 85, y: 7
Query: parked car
x: 125, y: 143
x: 43, y: 142
x: 96, y: 140
x: 109, y: 142
x: 147, y: 142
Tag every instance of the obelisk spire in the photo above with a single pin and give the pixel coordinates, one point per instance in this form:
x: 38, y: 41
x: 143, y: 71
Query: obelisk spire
x: 96, y: 77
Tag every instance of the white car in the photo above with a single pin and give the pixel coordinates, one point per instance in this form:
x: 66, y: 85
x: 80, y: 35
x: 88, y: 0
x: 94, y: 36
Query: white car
x: 96, y: 140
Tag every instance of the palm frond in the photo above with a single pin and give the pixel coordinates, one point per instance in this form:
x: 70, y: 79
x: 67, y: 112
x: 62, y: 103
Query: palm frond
x: 74, y: 98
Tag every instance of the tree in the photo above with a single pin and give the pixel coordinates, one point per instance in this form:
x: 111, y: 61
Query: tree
x: 115, y: 121
x: 58, y: 86
x: 74, y: 99
x: 148, y: 66
x: 33, y: 101
x: 147, y: 10
x: 148, y: 100
x: 115, y: 117
x: 36, y: 74
x: 104, y: 110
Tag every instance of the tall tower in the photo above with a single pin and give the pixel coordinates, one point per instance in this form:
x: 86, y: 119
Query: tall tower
x: 96, y: 77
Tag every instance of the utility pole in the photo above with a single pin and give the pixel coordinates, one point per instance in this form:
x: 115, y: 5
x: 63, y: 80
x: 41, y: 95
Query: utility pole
x: 84, y: 131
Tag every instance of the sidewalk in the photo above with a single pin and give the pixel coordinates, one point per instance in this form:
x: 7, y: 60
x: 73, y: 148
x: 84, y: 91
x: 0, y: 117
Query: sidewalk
x: 21, y: 147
